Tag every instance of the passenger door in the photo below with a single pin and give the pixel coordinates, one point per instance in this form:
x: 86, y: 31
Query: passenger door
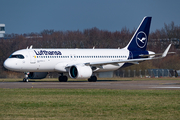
x: 32, y: 58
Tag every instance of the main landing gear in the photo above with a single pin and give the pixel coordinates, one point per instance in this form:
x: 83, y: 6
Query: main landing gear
x: 26, y: 77
x: 92, y: 79
x: 63, y: 78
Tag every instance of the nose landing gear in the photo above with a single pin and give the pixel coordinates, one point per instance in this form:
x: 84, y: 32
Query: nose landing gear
x: 25, y: 80
x: 26, y: 77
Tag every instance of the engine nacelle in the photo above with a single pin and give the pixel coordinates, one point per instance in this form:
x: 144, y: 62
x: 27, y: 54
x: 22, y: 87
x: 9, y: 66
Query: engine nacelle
x: 37, y: 75
x: 77, y: 71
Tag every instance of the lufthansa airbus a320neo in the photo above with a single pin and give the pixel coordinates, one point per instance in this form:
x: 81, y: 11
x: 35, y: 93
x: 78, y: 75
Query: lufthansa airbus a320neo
x: 82, y: 63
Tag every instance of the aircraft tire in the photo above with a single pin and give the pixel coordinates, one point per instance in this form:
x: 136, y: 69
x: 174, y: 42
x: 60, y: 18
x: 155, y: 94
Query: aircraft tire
x: 92, y: 79
x: 24, y: 80
x: 60, y: 79
x: 63, y: 78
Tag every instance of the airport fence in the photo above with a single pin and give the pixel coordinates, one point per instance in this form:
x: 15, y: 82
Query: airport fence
x: 148, y: 73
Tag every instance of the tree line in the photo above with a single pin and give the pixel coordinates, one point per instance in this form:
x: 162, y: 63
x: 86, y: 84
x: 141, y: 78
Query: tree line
x: 88, y: 38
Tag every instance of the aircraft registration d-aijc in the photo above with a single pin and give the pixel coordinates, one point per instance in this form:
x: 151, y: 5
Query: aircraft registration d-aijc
x: 83, y: 63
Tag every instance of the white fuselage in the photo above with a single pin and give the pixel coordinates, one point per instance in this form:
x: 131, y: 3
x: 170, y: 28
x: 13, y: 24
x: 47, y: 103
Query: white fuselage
x: 58, y: 60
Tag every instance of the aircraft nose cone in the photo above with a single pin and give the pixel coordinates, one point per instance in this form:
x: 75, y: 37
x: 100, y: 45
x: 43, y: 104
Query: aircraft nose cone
x: 8, y: 64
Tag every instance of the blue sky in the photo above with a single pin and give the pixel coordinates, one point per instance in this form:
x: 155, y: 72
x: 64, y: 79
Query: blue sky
x: 26, y: 16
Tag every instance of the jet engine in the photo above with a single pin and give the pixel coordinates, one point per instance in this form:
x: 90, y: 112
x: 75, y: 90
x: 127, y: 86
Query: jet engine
x: 77, y: 71
x: 37, y: 75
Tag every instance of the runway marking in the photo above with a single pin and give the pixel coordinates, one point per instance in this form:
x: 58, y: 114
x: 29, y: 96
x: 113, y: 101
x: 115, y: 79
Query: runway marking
x: 167, y: 87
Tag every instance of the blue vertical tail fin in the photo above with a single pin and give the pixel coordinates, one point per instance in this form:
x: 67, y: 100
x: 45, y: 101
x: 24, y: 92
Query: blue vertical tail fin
x: 140, y: 38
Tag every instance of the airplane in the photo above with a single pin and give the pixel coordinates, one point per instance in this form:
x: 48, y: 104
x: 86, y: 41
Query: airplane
x: 83, y: 63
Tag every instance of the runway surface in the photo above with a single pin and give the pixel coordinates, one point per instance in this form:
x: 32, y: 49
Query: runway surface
x: 109, y: 84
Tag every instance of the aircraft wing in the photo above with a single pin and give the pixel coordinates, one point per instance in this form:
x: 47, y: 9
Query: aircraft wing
x: 134, y: 61
x: 156, y: 54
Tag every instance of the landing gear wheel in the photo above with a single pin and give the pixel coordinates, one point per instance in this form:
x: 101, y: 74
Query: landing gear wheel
x: 25, y: 80
x: 26, y: 77
x: 63, y: 78
x: 92, y: 79
x: 60, y: 78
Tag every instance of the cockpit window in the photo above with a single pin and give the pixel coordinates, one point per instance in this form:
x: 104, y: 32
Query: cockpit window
x: 17, y: 56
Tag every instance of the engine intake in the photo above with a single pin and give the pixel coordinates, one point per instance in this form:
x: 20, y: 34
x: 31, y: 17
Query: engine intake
x: 77, y: 71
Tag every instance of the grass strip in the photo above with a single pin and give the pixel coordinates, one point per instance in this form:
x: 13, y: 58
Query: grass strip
x: 89, y: 104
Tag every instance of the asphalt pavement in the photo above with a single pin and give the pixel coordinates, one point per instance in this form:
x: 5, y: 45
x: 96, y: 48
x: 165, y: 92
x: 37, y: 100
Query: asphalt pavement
x: 101, y: 84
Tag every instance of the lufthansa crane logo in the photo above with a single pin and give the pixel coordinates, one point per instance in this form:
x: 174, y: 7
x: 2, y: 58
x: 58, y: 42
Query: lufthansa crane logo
x: 141, y: 39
